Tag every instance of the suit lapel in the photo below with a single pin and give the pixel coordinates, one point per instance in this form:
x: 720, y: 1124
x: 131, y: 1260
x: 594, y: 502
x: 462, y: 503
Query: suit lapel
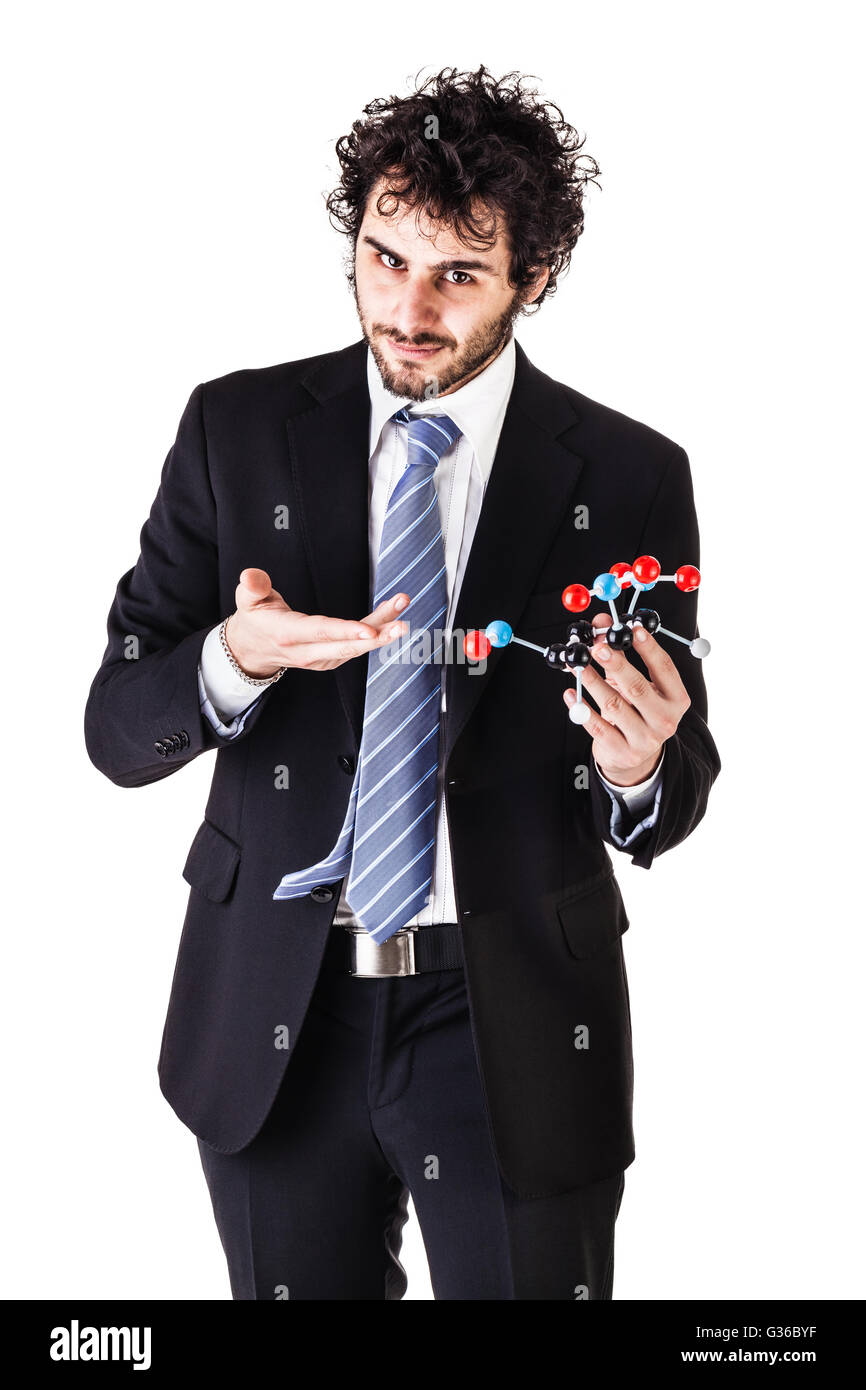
x: 530, y: 486
x: 329, y: 449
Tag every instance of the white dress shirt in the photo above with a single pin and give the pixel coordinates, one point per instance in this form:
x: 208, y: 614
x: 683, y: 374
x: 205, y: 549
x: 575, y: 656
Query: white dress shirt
x: 461, y: 477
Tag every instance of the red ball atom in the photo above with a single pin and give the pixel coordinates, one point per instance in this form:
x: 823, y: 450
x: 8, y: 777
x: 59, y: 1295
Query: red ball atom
x: 476, y: 645
x: 647, y: 569
x: 619, y: 569
x: 687, y: 578
x: 576, y: 598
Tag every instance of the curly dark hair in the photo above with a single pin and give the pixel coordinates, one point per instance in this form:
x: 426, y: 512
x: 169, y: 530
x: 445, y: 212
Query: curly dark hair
x: 496, y: 146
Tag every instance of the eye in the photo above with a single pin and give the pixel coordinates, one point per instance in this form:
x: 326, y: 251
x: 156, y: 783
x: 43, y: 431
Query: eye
x: 388, y: 261
x: 466, y: 280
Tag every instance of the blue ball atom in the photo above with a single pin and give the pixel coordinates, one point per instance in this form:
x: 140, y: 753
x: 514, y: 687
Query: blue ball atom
x: 606, y: 586
x: 498, y: 633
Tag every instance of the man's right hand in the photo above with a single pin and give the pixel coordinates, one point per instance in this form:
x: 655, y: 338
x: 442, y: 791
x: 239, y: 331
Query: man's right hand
x: 265, y: 633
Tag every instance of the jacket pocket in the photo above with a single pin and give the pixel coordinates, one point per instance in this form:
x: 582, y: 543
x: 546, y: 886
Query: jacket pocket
x: 593, y: 917
x: 212, y: 863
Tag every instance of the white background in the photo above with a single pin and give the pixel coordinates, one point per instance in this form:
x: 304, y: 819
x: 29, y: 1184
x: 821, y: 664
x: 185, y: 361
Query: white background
x: 164, y: 170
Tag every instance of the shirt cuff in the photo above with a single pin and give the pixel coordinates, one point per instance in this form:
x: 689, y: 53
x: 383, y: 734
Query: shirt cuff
x: 618, y: 815
x: 220, y: 721
x: 227, y: 692
x: 639, y: 797
x: 224, y: 697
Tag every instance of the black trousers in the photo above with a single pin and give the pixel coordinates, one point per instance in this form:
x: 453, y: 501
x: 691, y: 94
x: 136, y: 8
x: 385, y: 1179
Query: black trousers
x: 381, y: 1099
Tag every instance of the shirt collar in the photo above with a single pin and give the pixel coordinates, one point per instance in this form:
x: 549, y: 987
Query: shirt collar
x: 478, y: 408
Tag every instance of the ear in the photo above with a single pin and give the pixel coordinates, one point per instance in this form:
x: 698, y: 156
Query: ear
x: 534, y: 289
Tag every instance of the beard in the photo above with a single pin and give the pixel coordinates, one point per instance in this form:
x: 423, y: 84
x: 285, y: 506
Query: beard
x: 414, y: 380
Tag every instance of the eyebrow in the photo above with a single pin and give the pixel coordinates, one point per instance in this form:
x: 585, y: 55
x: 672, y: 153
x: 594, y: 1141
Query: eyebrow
x: 439, y: 266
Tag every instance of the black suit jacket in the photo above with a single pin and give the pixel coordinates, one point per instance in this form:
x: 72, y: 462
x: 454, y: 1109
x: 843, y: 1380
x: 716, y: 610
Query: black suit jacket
x: 540, y: 910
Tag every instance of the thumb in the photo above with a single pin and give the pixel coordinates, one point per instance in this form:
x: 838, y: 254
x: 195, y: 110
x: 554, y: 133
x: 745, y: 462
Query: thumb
x: 254, y: 588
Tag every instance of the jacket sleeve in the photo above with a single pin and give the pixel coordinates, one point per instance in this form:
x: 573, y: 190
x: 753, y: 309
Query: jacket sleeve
x: 143, y: 718
x: 691, y: 761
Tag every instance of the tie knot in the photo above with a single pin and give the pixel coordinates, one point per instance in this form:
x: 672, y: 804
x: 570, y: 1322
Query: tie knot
x: 430, y: 436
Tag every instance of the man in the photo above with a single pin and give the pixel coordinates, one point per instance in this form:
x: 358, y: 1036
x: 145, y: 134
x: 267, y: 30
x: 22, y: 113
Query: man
x: 401, y: 967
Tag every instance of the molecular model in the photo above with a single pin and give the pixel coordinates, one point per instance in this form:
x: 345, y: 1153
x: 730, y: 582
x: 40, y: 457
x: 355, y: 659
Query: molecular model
x: 575, y: 653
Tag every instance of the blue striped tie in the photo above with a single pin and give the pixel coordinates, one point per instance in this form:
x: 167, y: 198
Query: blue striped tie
x: 388, y: 836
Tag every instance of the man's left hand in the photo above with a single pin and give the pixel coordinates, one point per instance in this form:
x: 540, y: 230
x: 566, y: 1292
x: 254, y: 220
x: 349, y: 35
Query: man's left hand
x: 636, y: 714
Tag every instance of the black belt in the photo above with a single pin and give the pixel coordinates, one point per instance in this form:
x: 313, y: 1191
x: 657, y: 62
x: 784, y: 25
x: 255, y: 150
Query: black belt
x: 407, y: 952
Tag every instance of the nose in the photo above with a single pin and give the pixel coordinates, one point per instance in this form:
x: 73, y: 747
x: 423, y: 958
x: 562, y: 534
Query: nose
x: 414, y: 311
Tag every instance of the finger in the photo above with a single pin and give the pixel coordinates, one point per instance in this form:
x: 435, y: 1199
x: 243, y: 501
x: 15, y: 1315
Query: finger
x: 662, y: 668
x: 254, y: 591
x: 612, y: 660
x: 308, y: 653
x: 616, y: 709
x: 316, y: 629
x: 608, y: 741
x: 623, y: 677
x: 600, y: 623
x: 605, y: 746
x: 254, y: 585
x: 387, y: 610
x: 661, y: 701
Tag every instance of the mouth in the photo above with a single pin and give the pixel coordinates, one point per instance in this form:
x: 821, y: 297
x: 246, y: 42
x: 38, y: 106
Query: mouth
x: 417, y: 354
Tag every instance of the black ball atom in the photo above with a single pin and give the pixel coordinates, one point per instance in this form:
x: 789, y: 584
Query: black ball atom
x: 649, y: 618
x: 619, y: 638
x: 555, y: 656
x: 582, y: 630
x: 577, y: 654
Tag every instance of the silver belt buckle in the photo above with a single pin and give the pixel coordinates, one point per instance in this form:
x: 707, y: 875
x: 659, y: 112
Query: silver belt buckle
x: 372, y: 960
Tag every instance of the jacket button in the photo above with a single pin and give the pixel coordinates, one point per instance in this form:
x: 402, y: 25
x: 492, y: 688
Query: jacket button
x: 347, y: 764
x: 322, y: 893
x: 455, y: 782
x: 184, y: 739
x: 161, y: 748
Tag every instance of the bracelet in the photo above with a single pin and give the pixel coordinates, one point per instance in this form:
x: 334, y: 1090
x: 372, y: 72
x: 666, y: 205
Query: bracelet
x: 250, y: 680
